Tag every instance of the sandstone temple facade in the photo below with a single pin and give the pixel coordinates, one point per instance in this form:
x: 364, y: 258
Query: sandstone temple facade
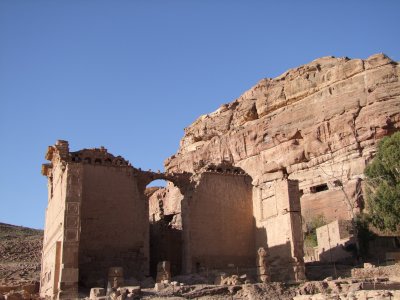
x: 245, y: 176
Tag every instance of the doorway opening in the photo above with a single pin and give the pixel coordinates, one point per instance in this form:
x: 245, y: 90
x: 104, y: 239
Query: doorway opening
x: 165, y: 216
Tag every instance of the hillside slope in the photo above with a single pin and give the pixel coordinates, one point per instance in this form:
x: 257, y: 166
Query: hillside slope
x: 20, y: 253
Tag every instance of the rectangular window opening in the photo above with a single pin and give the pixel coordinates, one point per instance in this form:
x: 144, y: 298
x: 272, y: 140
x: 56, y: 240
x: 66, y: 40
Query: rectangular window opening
x: 319, y: 188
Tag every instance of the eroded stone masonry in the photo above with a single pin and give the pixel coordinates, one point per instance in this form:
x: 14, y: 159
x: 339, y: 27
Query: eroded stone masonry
x: 98, y: 218
x: 237, y: 188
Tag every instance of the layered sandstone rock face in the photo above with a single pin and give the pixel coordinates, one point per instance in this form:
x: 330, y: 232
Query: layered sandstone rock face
x: 161, y: 206
x: 318, y: 123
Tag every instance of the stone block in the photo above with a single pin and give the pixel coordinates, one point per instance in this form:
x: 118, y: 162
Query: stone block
x: 368, y: 266
x: 70, y: 255
x: 72, y: 221
x: 69, y: 275
x: 116, y: 277
x: 163, y: 271
x: 271, y: 176
x: 116, y: 272
x: 31, y: 288
x: 96, y: 292
x: 115, y: 295
x: 148, y: 282
x: 132, y: 282
x: 13, y: 296
x: 159, y: 286
x: 71, y: 235
x: 73, y: 208
x: 132, y: 289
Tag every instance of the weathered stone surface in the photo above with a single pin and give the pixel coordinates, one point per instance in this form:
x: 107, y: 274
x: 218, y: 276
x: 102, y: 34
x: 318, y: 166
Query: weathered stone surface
x: 116, y: 277
x: 316, y: 123
x: 160, y: 205
x: 148, y: 282
x: 262, y: 266
x: 391, y: 271
x: 14, y: 296
x: 358, y: 295
x: 332, y: 240
x: 163, y: 271
x: 96, y: 292
x: 135, y: 290
x: 159, y: 286
x: 96, y: 218
x: 235, y: 182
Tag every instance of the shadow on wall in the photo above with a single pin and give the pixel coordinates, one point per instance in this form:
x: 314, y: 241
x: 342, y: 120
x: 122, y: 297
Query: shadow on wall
x: 279, y: 257
x: 379, y: 247
x: 344, y: 253
x: 219, y: 220
x: 165, y: 245
x: 319, y: 271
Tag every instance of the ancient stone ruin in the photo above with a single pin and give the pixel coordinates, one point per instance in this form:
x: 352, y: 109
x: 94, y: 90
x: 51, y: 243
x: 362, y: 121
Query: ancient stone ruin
x: 98, y: 218
x: 242, y: 179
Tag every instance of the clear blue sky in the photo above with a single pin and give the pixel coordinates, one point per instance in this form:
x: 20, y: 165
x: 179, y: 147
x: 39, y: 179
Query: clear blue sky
x: 130, y: 75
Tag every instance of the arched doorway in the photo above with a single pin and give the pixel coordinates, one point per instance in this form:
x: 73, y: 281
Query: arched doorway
x: 165, y: 219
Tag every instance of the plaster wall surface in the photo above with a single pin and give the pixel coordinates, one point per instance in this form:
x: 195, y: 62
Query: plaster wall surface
x: 115, y: 226
x: 218, y: 223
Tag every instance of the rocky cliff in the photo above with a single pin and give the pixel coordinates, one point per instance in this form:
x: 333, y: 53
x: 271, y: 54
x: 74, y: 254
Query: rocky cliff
x: 318, y: 123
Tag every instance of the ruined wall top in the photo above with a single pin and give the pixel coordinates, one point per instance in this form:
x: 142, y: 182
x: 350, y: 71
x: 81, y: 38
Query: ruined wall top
x: 59, y: 153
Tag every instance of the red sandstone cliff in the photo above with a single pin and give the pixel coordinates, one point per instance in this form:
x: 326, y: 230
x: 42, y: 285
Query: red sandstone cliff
x: 318, y: 123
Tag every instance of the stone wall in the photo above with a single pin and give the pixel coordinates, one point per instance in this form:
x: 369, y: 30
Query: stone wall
x: 278, y: 226
x: 114, y: 224
x: 96, y: 218
x: 334, y: 240
x: 59, y: 278
x: 381, y: 248
x: 392, y: 271
x: 218, y: 223
x: 54, y: 231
